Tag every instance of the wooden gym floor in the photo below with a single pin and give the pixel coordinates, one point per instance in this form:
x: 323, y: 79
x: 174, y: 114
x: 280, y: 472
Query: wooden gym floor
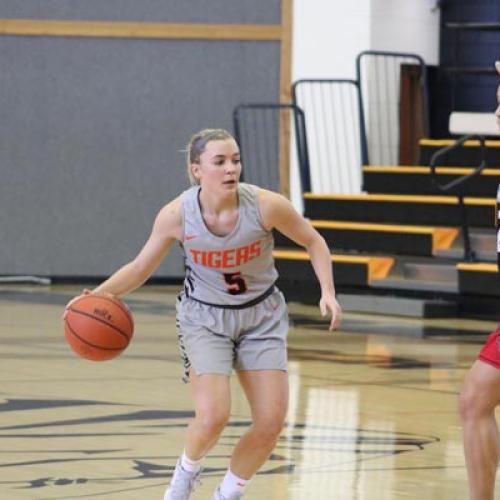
x: 372, y: 416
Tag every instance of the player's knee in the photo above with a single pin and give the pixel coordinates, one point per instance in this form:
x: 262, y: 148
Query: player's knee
x: 213, y: 423
x: 268, y: 430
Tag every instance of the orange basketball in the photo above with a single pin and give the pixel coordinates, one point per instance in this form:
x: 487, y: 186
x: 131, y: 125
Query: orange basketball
x: 98, y: 327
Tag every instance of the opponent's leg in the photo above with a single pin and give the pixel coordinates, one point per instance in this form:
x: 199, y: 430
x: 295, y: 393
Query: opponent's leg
x: 479, y: 397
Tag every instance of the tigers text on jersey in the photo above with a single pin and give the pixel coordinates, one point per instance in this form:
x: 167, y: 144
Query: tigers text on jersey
x: 227, y: 270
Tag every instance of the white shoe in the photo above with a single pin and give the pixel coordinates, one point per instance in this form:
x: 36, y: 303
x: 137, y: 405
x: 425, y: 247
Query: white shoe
x: 182, y: 484
x: 218, y: 496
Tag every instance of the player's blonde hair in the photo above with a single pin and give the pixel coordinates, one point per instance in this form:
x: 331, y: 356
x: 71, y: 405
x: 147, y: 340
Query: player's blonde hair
x: 196, y: 146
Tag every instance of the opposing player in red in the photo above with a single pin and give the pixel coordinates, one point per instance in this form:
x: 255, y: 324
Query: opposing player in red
x: 478, y: 400
x: 230, y: 315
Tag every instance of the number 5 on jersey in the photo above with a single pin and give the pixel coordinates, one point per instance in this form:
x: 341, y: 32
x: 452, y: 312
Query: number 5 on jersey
x: 235, y: 282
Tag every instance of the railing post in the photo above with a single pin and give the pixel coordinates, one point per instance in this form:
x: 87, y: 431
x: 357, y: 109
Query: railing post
x: 457, y: 186
x: 300, y: 134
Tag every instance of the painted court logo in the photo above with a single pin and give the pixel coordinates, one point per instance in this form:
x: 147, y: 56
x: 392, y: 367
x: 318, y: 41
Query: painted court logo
x: 111, y: 440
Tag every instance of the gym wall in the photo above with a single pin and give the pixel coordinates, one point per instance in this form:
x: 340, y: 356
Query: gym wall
x: 95, y: 115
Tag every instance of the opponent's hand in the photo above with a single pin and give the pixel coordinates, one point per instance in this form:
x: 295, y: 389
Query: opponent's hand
x: 329, y: 304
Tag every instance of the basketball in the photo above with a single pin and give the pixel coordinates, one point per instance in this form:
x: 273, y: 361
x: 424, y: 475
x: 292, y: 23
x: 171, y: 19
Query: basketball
x: 98, y: 327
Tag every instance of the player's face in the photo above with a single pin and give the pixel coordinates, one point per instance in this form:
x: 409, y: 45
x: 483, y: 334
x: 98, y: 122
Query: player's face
x: 219, y: 166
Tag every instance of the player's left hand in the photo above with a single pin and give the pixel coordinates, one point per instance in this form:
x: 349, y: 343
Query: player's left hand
x: 329, y: 304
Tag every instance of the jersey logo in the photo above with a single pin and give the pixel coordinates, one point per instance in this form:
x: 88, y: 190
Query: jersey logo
x: 230, y: 257
x: 189, y: 237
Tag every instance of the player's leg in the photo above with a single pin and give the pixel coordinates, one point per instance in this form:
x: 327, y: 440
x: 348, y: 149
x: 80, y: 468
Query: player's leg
x: 267, y: 394
x: 212, y: 401
x: 478, y: 400
x: 208, y: 361
x: 211, y: 395
x: 261, y: 365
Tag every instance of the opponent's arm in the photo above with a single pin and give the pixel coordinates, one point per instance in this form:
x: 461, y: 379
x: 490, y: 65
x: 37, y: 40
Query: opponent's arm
x: 166, y: 229
x: 278, y: 213
x: 497, y: 112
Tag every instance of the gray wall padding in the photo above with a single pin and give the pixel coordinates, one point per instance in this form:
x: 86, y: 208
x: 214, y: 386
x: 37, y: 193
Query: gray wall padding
x: 191, y: 11
x: 90, y: 138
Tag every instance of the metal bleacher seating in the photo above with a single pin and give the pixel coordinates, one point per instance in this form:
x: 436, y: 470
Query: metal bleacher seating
x: 416, y: 239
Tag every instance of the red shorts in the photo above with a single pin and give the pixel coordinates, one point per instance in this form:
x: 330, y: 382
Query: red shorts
x: 490, y: 353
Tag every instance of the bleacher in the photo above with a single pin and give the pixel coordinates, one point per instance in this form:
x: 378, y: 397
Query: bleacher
x: 402, y: 240
x: 417, y: 238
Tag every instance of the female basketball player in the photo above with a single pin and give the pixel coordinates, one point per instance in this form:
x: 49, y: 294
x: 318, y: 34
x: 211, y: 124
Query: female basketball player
x: 230, y: 313
x: 478, y: 400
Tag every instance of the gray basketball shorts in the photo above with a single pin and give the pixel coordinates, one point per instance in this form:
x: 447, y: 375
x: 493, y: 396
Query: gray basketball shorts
x: 216, y: 340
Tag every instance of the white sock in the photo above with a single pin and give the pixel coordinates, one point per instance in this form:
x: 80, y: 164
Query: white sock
x: 232, y: 484
x: 190, y: 465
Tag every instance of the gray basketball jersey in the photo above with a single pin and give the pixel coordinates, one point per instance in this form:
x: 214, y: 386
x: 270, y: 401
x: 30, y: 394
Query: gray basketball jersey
x: 227, y: 270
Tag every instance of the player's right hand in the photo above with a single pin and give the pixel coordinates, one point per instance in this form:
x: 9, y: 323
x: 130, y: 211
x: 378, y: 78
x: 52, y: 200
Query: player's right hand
x: 68, y: 305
